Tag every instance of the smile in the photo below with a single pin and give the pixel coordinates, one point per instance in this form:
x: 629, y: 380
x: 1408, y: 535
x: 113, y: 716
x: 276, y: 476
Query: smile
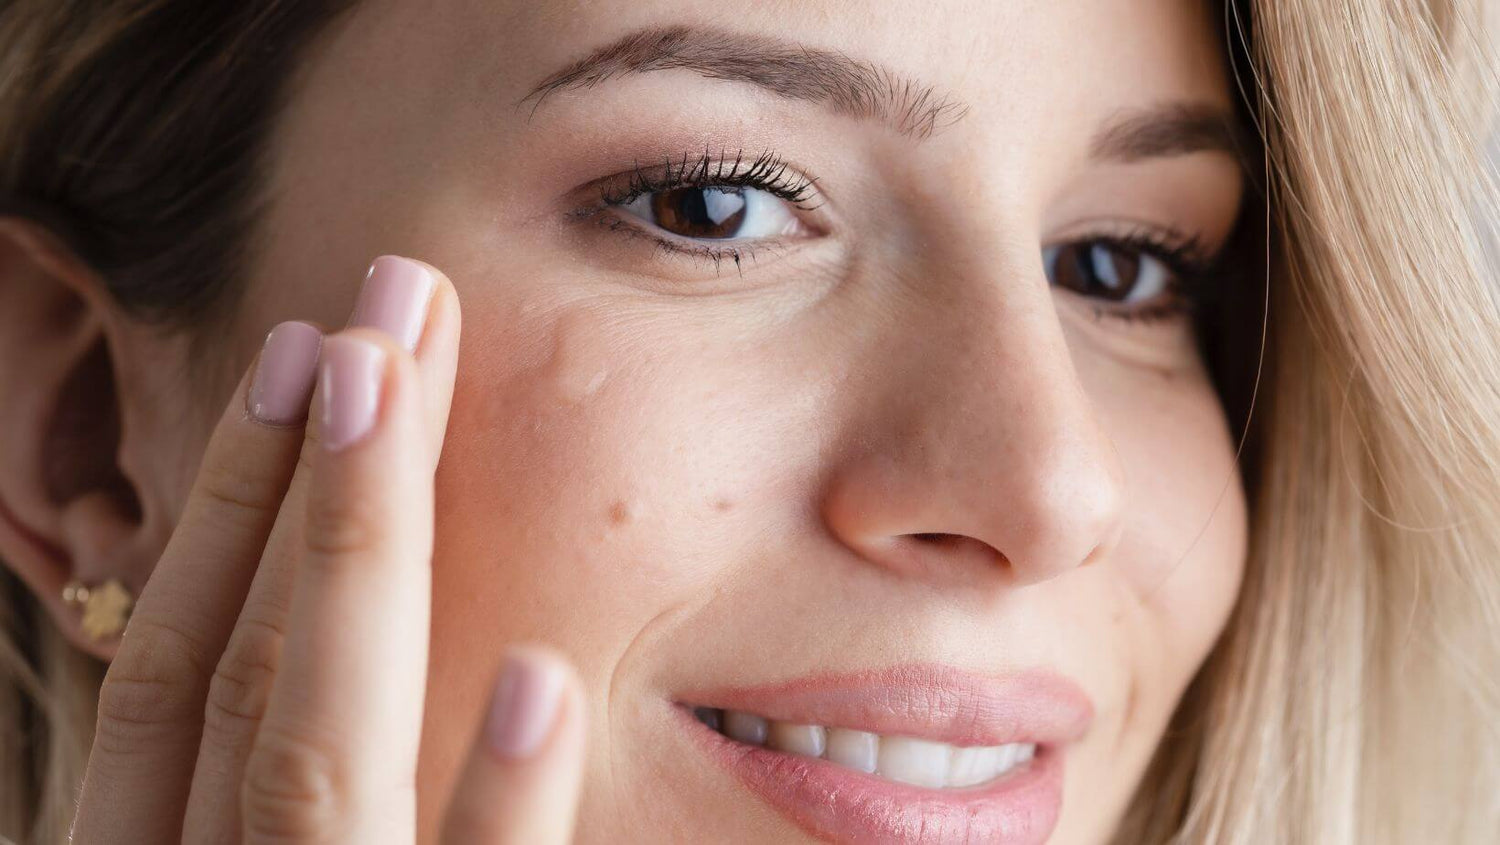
x: 903, y: 759
x: 908, y: 755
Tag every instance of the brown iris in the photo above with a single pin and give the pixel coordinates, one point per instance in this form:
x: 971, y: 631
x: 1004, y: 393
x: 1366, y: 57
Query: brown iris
x: 699, y: 212
x: 1096, y: 269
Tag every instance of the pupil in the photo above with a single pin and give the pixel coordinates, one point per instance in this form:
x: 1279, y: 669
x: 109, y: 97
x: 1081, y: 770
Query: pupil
x: 699, y: 212
x: 1098, y: 270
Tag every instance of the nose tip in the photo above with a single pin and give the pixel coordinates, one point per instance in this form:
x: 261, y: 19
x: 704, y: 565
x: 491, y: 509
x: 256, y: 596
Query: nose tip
x: 1027, y: 514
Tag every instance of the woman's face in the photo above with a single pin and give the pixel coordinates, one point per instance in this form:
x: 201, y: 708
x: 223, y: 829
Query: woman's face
x: 823, y: 362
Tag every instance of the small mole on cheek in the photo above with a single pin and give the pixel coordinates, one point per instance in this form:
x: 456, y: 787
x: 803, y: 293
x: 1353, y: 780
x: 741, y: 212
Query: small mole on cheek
x: 619, y: 512
x: 723, y: 505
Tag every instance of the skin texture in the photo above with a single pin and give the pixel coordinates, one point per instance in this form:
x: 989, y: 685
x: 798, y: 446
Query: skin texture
x: 683, y: 477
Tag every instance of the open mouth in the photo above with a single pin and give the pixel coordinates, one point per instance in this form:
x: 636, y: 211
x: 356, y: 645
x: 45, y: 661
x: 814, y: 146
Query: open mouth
x: 905, y: 755
x: 903, y: 759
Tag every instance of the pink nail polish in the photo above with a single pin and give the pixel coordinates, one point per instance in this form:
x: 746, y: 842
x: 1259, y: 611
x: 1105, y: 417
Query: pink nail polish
x: 394, y: 299
x: 283, y: 380
x: 524, y: 707
x: 349, y: 384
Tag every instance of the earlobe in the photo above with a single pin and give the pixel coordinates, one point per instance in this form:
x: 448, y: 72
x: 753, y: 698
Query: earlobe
x: 67, y: 509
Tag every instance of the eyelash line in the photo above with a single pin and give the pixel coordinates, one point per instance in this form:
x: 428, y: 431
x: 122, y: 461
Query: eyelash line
x: 767, y: 172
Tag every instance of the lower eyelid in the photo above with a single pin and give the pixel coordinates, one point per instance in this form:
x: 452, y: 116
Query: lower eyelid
x: 715, y: 252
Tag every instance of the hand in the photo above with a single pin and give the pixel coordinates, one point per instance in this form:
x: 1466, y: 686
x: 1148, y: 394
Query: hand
x: 270, y: 684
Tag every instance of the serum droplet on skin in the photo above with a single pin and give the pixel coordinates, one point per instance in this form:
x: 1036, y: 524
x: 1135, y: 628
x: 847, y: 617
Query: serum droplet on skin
x: 576, y: 368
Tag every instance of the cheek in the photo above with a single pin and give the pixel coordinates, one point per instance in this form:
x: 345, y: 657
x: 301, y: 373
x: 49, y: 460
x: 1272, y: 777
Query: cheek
x: 1180, y: 561
x: 598, y: 471
x: 1185, y: 555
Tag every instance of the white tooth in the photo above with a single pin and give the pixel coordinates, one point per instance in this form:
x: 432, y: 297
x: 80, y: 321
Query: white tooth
x: 853, y: 749
x: 745, y: 727
x: 972, y: 766
x: 1026, y: 752
x: 807, y: 740
x: 915, y: 761
x: 1005, y: 757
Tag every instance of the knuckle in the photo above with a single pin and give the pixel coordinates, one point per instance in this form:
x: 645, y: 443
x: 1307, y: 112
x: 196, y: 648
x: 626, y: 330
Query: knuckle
x: 241, y: 683
x: 150, y: 689
x: 293, y: 790
x: 239, y: 487
x: 470, y: 820
x: 343, y: 524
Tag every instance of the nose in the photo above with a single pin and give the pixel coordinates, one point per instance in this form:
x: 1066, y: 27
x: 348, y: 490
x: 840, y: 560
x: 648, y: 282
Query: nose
x: 974, y: 451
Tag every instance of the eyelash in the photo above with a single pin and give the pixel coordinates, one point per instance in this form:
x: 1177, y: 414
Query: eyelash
x: 1190, y: 264
x: 768, y: 172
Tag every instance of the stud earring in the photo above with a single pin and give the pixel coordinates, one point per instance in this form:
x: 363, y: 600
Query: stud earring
x: 106, y: 607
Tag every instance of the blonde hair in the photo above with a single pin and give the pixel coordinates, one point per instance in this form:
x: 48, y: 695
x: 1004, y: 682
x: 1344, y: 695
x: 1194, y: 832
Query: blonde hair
x: 1353, y: 696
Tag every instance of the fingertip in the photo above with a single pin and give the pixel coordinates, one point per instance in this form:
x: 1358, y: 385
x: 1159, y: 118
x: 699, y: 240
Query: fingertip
x: 536, y: 692
x: 351, y: 383
x: 364, y: 377
x: 283, y: 375
x: 444, y: 314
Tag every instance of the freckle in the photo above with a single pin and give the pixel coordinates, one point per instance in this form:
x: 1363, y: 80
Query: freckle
x: 723, y: 505
x: 619, y: 513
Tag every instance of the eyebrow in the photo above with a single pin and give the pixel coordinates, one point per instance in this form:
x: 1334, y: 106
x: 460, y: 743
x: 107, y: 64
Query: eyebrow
x: 845, y: 85
x: 865, y: 90
x: 1169, y: 129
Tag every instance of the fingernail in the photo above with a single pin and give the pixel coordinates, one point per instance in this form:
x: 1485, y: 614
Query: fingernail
x: 283, y: 380
x: 349, y: 382
x: 524, y: 707
x: 394, y: 299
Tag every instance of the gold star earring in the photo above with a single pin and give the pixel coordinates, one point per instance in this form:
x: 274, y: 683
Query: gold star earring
x: 106, y: 607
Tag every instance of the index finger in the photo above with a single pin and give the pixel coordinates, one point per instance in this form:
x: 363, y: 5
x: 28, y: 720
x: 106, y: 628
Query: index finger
x: 151, y: 704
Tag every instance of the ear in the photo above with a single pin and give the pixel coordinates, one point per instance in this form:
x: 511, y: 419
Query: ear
x: 67, y: 506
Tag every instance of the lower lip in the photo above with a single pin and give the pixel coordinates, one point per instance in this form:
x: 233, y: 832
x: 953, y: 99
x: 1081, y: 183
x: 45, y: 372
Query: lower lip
x: 837, y: 804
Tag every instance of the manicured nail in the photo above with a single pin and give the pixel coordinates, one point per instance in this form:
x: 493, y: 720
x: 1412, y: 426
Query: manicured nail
x: 349, y: 382
x: 524, y: 706
x: 394, y: 299
x: 283, y: 380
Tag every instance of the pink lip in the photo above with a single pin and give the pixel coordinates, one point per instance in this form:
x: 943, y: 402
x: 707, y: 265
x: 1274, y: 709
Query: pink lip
x: 932, y: 702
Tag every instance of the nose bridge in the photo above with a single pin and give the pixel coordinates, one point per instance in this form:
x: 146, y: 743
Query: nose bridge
x: 980, y: 444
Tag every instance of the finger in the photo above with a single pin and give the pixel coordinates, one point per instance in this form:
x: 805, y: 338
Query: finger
x: 336, y: 752
x: 522, y: 780
x: 151, y: 703
x: 241, y: 685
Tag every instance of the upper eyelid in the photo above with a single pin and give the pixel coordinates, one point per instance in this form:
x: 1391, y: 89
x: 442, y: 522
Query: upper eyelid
x: 766, y: 171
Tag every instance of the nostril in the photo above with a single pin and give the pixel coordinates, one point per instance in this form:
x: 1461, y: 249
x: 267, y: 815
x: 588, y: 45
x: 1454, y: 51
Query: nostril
x: 959, y: 546
x: 934, y: 537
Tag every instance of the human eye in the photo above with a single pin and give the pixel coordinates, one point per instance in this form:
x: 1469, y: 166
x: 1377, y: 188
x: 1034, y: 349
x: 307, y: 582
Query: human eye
x: 1143, y: 276
x: 724, y: 208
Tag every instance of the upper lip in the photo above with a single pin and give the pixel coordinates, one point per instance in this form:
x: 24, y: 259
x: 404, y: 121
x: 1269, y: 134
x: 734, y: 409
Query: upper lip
x: 927, y: 701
